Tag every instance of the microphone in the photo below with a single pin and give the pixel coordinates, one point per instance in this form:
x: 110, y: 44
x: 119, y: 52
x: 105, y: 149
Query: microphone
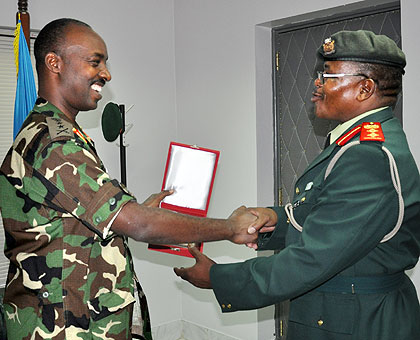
x: 111, y: 122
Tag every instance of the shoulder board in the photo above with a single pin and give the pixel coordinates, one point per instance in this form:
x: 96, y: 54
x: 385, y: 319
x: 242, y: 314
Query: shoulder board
x: 349, y: 135
x: 59, y: 128
x: 372, y: 132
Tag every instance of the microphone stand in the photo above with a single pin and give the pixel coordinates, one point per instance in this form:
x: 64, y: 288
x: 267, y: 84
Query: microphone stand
x: 122, y: 147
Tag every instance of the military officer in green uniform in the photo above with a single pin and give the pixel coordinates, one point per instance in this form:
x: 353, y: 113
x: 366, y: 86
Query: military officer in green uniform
x: 66, y: 221
x: 352, y: 228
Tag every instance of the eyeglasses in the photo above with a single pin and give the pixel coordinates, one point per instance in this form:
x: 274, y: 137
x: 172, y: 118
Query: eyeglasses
x: 322, y: 75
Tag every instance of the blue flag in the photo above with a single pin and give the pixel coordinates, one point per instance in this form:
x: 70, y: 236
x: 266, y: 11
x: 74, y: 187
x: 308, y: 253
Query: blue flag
x: 25, y: 89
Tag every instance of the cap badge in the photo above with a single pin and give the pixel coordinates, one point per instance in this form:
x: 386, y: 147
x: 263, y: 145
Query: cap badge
x: 329, y: 46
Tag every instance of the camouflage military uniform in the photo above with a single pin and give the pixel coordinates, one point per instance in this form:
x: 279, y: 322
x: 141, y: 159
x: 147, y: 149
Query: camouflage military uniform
x: 70, y: 276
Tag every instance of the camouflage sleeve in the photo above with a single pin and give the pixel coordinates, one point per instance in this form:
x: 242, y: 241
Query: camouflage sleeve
x: 71, y: 179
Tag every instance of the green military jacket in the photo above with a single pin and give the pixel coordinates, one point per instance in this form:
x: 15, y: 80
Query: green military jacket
x: 70, y: 276
x: 343, y: 282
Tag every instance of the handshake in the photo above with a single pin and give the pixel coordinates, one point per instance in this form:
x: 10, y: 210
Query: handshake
x: 245, y: 224
x: 164, y: 226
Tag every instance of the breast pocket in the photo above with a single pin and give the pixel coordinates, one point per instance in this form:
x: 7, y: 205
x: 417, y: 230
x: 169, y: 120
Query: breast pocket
x: 304, y: 203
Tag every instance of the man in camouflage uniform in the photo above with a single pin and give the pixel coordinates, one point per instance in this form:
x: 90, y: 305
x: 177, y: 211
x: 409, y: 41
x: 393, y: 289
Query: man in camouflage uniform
x: 66, y: 221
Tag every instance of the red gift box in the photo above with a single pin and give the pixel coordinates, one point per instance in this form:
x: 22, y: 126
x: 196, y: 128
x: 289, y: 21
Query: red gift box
x: 190, y: 171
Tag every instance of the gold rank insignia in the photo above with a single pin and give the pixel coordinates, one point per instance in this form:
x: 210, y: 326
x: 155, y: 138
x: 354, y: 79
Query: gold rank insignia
x: 329, y: 46
x: 372, y: 132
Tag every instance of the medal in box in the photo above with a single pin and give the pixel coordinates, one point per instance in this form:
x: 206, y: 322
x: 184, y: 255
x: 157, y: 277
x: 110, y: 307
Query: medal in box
x: 190, y: 172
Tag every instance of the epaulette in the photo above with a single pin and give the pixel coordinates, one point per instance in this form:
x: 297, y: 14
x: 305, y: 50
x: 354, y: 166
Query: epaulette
x: 59, y: 128
x: 372, y: 132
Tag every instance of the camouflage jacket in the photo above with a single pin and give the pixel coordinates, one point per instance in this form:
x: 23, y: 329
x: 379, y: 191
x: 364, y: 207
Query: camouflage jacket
x: 70, y: 276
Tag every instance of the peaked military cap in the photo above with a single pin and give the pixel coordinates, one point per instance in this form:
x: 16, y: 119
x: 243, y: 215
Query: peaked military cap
x: 362, y: 46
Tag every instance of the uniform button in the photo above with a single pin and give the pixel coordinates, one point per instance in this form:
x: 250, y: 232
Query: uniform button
x: 98, y: 219
x: 297, y: 190
x: 229, y: 306
x: 112, y: 201
x: 45, y: 295
x: 288, y: 220
x: 223, y: 306
x: 303, y: 199
x: 320, y: 322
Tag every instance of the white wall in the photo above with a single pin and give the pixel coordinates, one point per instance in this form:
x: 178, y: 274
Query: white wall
x: 216, y: 88
x: 189, y: 68
x: 410, y: 27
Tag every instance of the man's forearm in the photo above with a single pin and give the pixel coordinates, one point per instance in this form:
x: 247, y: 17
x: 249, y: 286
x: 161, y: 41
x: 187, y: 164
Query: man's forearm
x: 155, y: 225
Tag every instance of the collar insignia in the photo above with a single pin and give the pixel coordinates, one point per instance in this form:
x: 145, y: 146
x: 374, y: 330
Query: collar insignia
x: 59, y: 127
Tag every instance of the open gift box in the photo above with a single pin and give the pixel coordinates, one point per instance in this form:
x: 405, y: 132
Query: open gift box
x: 190, y: 171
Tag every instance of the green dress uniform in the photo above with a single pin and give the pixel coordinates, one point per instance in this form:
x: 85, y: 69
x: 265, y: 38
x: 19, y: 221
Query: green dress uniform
x: 343, y: 282
x: 70, y: 276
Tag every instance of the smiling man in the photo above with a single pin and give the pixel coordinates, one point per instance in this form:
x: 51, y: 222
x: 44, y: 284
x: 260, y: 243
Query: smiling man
x: 66, y: 221
x: 352, y: 228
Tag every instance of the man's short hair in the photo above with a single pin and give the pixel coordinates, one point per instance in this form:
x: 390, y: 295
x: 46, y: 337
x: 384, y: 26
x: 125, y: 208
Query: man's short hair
x: 387, y: 78
x: 51, y: 39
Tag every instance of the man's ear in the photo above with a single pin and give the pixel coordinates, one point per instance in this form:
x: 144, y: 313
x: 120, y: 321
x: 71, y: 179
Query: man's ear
x: 366, y: 90
x: 53, y: 62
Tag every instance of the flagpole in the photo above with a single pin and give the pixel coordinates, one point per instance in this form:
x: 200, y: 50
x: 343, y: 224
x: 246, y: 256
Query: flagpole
x: 24, y: 19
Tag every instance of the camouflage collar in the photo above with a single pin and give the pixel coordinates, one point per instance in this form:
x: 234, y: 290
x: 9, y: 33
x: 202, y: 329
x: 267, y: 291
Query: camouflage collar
x: 43, y: 106
x: 59, y: 123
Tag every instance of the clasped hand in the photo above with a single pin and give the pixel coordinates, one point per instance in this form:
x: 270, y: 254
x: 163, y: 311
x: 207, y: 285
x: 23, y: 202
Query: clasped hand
x: 263, y: 220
